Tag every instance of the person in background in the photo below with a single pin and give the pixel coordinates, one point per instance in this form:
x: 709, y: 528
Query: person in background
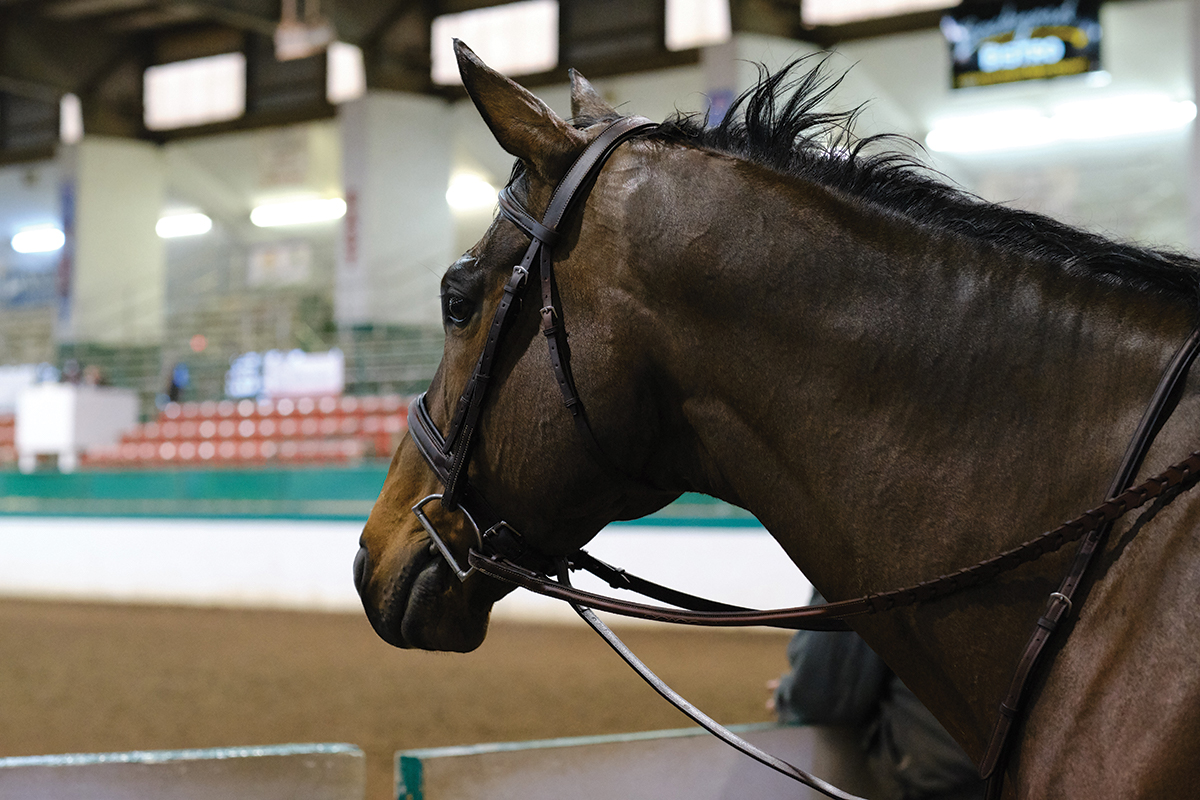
x: 836, y: 679
x: 71, y: 372
x: 93, y: 376
x: 179, y: 382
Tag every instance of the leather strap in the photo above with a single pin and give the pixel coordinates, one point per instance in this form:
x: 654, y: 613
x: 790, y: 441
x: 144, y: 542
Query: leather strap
x: 522, y: 219
x: 1158, y: 410
x: 460, y: 438
x: 698, y: 716
x: 832, y: 616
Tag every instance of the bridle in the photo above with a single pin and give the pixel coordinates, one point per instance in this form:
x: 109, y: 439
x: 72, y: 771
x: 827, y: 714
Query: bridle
x: 448, y: 456
x: 502, y: 553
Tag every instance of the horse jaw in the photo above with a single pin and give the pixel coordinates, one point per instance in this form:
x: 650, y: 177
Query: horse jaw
x: 411, y: 596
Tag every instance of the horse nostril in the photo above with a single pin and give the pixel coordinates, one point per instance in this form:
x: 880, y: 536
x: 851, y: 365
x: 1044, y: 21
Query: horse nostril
x: 362, y: 568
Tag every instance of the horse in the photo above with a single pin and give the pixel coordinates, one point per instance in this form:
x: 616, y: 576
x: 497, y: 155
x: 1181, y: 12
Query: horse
x: 895, y: 377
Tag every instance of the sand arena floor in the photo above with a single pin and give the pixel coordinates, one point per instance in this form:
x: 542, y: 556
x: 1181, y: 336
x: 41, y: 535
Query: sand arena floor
x: 80, y: 677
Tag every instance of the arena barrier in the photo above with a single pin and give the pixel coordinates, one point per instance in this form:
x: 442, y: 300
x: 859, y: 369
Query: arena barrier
x: 279, y: 772
x: 653, y: 765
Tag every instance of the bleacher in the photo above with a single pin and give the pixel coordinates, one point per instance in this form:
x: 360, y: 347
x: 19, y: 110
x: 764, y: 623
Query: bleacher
x: 8, y: 431
x: 247, y: 432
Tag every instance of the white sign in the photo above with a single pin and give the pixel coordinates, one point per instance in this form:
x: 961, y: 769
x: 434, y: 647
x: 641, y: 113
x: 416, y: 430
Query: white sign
x: 300, y: 374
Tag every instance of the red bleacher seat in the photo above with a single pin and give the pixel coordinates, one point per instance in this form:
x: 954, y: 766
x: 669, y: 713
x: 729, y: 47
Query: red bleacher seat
x: 305, y: 429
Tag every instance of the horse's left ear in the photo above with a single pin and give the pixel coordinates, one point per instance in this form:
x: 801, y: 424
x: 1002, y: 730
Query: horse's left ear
x: 522, y: 124
x: 586, y: 101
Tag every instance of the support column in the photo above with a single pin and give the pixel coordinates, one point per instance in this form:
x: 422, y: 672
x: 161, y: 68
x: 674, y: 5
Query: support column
x: 398, y: 234
x: 1193, y: 185
x: 112, y: 277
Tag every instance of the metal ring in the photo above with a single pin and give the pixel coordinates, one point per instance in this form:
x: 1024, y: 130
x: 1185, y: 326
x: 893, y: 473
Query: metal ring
x: 419, y: 510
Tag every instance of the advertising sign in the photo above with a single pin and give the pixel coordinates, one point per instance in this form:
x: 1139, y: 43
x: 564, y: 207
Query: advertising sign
x: 1021, y: 40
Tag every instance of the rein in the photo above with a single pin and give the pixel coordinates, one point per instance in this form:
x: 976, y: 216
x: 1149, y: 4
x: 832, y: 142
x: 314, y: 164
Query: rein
x: 500, y: 551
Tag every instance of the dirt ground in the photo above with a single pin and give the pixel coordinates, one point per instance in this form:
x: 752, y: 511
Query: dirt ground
x: 94, y: 677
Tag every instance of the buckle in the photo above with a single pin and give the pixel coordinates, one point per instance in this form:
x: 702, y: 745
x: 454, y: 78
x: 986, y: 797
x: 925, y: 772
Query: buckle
x: 1061, y: 598
x: 504, y: 540
x: 419, y: 510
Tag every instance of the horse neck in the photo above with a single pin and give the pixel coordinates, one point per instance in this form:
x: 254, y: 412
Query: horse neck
x: 895, y: 403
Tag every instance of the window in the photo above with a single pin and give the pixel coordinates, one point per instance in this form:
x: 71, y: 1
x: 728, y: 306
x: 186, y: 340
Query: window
x: 345, y: 77
x: 70, y: 119
x: 696, y: 23
x: 838, y: 12
x: 516, y: 39
x: 195, y: 92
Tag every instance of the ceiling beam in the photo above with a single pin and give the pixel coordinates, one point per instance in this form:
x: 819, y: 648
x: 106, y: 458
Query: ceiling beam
x: 230, y: 17
x: 31, y: 89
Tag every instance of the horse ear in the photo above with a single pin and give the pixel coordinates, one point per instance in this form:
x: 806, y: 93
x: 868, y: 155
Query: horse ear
x: 522, y: 124
x: 586, y: 101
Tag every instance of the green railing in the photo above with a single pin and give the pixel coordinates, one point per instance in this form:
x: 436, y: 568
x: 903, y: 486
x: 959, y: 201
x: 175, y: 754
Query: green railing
x: 345, y: 493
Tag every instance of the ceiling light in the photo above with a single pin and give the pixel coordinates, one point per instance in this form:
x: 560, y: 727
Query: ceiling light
x: 1090, y: 120
x: 176, y: 225
x: 38, y: 239
x: 840, y: 12
x: 513, y: 38
x: 468, y: 192
x: 70, y: 119
x: 345, y: 75
x: 298, y: 212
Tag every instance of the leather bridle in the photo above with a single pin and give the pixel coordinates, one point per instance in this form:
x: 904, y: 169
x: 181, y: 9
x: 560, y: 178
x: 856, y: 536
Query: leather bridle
x: 448, y: 456
x: 501, y: 552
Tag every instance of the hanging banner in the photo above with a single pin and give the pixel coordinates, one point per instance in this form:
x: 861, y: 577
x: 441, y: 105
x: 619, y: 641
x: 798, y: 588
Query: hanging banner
x: 1021, y: 40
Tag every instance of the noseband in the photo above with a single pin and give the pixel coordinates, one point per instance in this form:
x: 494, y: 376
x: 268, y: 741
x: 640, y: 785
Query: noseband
x: 501, y: 553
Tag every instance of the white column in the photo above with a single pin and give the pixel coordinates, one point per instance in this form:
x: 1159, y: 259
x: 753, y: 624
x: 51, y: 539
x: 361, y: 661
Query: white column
x: 1193, y: 195
x: 398, y: 235
x: 113, y: 276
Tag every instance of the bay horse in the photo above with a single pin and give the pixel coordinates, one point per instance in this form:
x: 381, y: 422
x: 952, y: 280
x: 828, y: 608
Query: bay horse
x: 897, y: 378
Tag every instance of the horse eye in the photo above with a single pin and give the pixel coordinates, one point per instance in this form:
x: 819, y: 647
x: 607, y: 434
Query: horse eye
x: 456, y: 309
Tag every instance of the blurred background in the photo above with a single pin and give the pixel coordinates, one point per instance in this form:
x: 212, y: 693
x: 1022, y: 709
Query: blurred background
x: 206, y: 202
x: 223, y: 223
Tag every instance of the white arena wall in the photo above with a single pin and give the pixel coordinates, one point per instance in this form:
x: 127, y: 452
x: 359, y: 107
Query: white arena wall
x: 306, y: 564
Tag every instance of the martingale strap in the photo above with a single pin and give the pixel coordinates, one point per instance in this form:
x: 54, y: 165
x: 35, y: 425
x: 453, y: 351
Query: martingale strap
x: 695, y: 714
x: 1159, y: 409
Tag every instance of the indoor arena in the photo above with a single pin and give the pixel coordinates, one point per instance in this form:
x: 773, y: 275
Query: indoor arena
x: 856, y: 292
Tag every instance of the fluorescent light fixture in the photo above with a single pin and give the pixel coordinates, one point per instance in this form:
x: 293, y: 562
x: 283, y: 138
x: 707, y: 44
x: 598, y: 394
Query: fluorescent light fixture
x: 345, y: 75
x: 697, y: 23
x: 194, y: 92
x: 70, y: 119
x: 469, y: 192
x: 515, y: 39
x: 173, y: 226
x: 839, y: 12
x: 1090, y: 120
x: 298, y: 212
x: 38, y: 239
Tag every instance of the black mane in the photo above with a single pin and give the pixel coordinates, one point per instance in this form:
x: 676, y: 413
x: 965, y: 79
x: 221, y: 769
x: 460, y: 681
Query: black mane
x: 776, y: 124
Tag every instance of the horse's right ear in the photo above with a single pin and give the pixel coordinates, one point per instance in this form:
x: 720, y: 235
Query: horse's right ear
x: 522, y: 124
x: 586, y: 101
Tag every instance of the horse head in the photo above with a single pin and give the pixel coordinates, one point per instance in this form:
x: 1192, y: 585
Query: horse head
x: 524, y: 458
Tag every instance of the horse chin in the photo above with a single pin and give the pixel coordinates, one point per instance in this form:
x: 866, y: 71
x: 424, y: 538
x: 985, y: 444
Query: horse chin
x: 439, y: 613
x: 427, y: 608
